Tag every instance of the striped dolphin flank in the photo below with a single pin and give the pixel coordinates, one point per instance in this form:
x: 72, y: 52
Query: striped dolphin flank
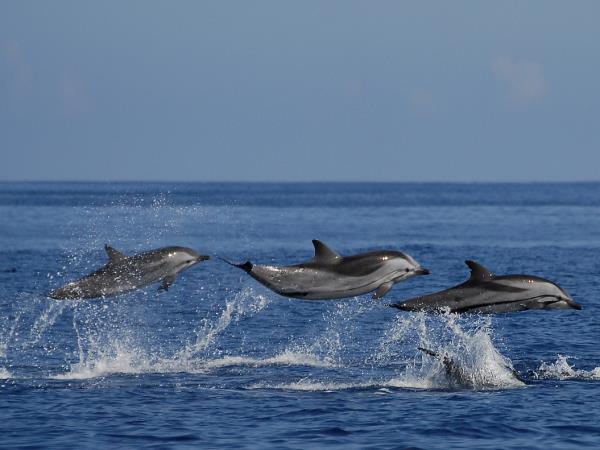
x: 484, y: 292
x: 329, y: 275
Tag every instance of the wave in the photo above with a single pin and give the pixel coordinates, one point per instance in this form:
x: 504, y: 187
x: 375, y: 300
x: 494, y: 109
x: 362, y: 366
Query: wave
x: 4, y: 374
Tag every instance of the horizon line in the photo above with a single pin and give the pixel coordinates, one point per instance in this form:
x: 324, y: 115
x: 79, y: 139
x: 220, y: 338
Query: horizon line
x: 149, y: 181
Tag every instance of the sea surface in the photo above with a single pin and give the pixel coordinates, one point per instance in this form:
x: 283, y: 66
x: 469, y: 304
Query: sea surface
x: 219, y: 361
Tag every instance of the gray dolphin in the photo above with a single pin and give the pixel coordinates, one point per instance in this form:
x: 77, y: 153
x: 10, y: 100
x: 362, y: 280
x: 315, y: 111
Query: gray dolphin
x: 126, y: 273
x: 485, y: 293
x: 329, y: 275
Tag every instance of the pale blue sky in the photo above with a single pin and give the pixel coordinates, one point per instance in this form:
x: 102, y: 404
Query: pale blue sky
x: 300, y: 91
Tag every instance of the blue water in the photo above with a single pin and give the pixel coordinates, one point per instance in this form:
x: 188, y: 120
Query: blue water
x: 219, y: 361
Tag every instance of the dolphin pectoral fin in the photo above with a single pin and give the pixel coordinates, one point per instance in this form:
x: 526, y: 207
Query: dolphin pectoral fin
x: 167, y: 282
x: 383, y: 289
x: 113, y: 254
x: 325, y: 254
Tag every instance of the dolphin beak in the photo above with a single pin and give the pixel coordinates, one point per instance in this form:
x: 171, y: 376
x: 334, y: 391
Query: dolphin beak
x: 202, y: 258
x: 422, y: 271
x: 574, y: 305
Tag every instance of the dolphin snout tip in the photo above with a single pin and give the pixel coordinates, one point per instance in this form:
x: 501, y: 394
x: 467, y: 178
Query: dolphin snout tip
x: 202, y: 257
x: 422, y: 271
x: 574, y: 305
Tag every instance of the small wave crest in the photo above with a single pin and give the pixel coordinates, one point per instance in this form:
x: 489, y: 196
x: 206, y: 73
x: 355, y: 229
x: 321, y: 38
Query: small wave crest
x: 122, y: 361
x: 562, y: 370
x: 133, y: 362
x: 286, y: 358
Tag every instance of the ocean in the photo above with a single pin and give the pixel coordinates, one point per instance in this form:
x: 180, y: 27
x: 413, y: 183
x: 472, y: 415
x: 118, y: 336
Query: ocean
x: 219, y: 361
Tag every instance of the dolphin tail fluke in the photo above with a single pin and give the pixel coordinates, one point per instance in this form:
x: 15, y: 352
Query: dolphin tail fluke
x: 247, y: 266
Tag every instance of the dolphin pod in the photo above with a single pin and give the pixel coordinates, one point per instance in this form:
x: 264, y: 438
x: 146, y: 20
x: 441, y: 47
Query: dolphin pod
x: 329, y: 275
x: 126, y: 273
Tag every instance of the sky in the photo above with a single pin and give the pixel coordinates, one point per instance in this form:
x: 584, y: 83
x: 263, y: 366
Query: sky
x: 300, y: 91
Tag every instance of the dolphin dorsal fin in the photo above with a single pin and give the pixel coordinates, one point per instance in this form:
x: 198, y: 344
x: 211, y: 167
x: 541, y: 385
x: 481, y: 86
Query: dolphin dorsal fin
x: 325, y: 254
x: 478, y: 272
x: 114, y: 255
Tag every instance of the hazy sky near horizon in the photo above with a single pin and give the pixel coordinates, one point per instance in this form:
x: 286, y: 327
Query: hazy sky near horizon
x: 300, y: 91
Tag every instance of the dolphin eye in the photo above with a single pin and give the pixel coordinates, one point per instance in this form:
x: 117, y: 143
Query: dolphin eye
x: 407, y: 269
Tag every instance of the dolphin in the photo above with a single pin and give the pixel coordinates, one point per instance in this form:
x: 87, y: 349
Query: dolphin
x: 457, y: 375
x: 485, y: 293
x: 126, y: 273
x: 329, y: 275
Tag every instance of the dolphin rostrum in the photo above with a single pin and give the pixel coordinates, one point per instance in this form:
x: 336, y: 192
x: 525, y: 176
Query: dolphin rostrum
x: 329, y: 275
x: 125, y: 273
x: 485, y: 293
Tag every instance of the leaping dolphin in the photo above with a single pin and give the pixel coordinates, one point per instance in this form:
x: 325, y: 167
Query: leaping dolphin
x: 485, y: 293
x: 126, y: 273
x: 329, y: 275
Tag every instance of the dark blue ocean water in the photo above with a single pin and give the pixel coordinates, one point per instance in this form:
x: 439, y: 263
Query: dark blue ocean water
x: 219, y: 361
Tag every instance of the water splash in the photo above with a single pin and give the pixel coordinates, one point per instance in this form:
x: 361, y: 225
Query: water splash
x: 106, y: 342
x: 337, y: 335
x: 467, y: 342
x: 103, y: 350
x: 46, y: 320
x: 120, y: 358
x: 467, y: 355
x: 6, y: 338
x: 244, y: 303
x: 562, y: 370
